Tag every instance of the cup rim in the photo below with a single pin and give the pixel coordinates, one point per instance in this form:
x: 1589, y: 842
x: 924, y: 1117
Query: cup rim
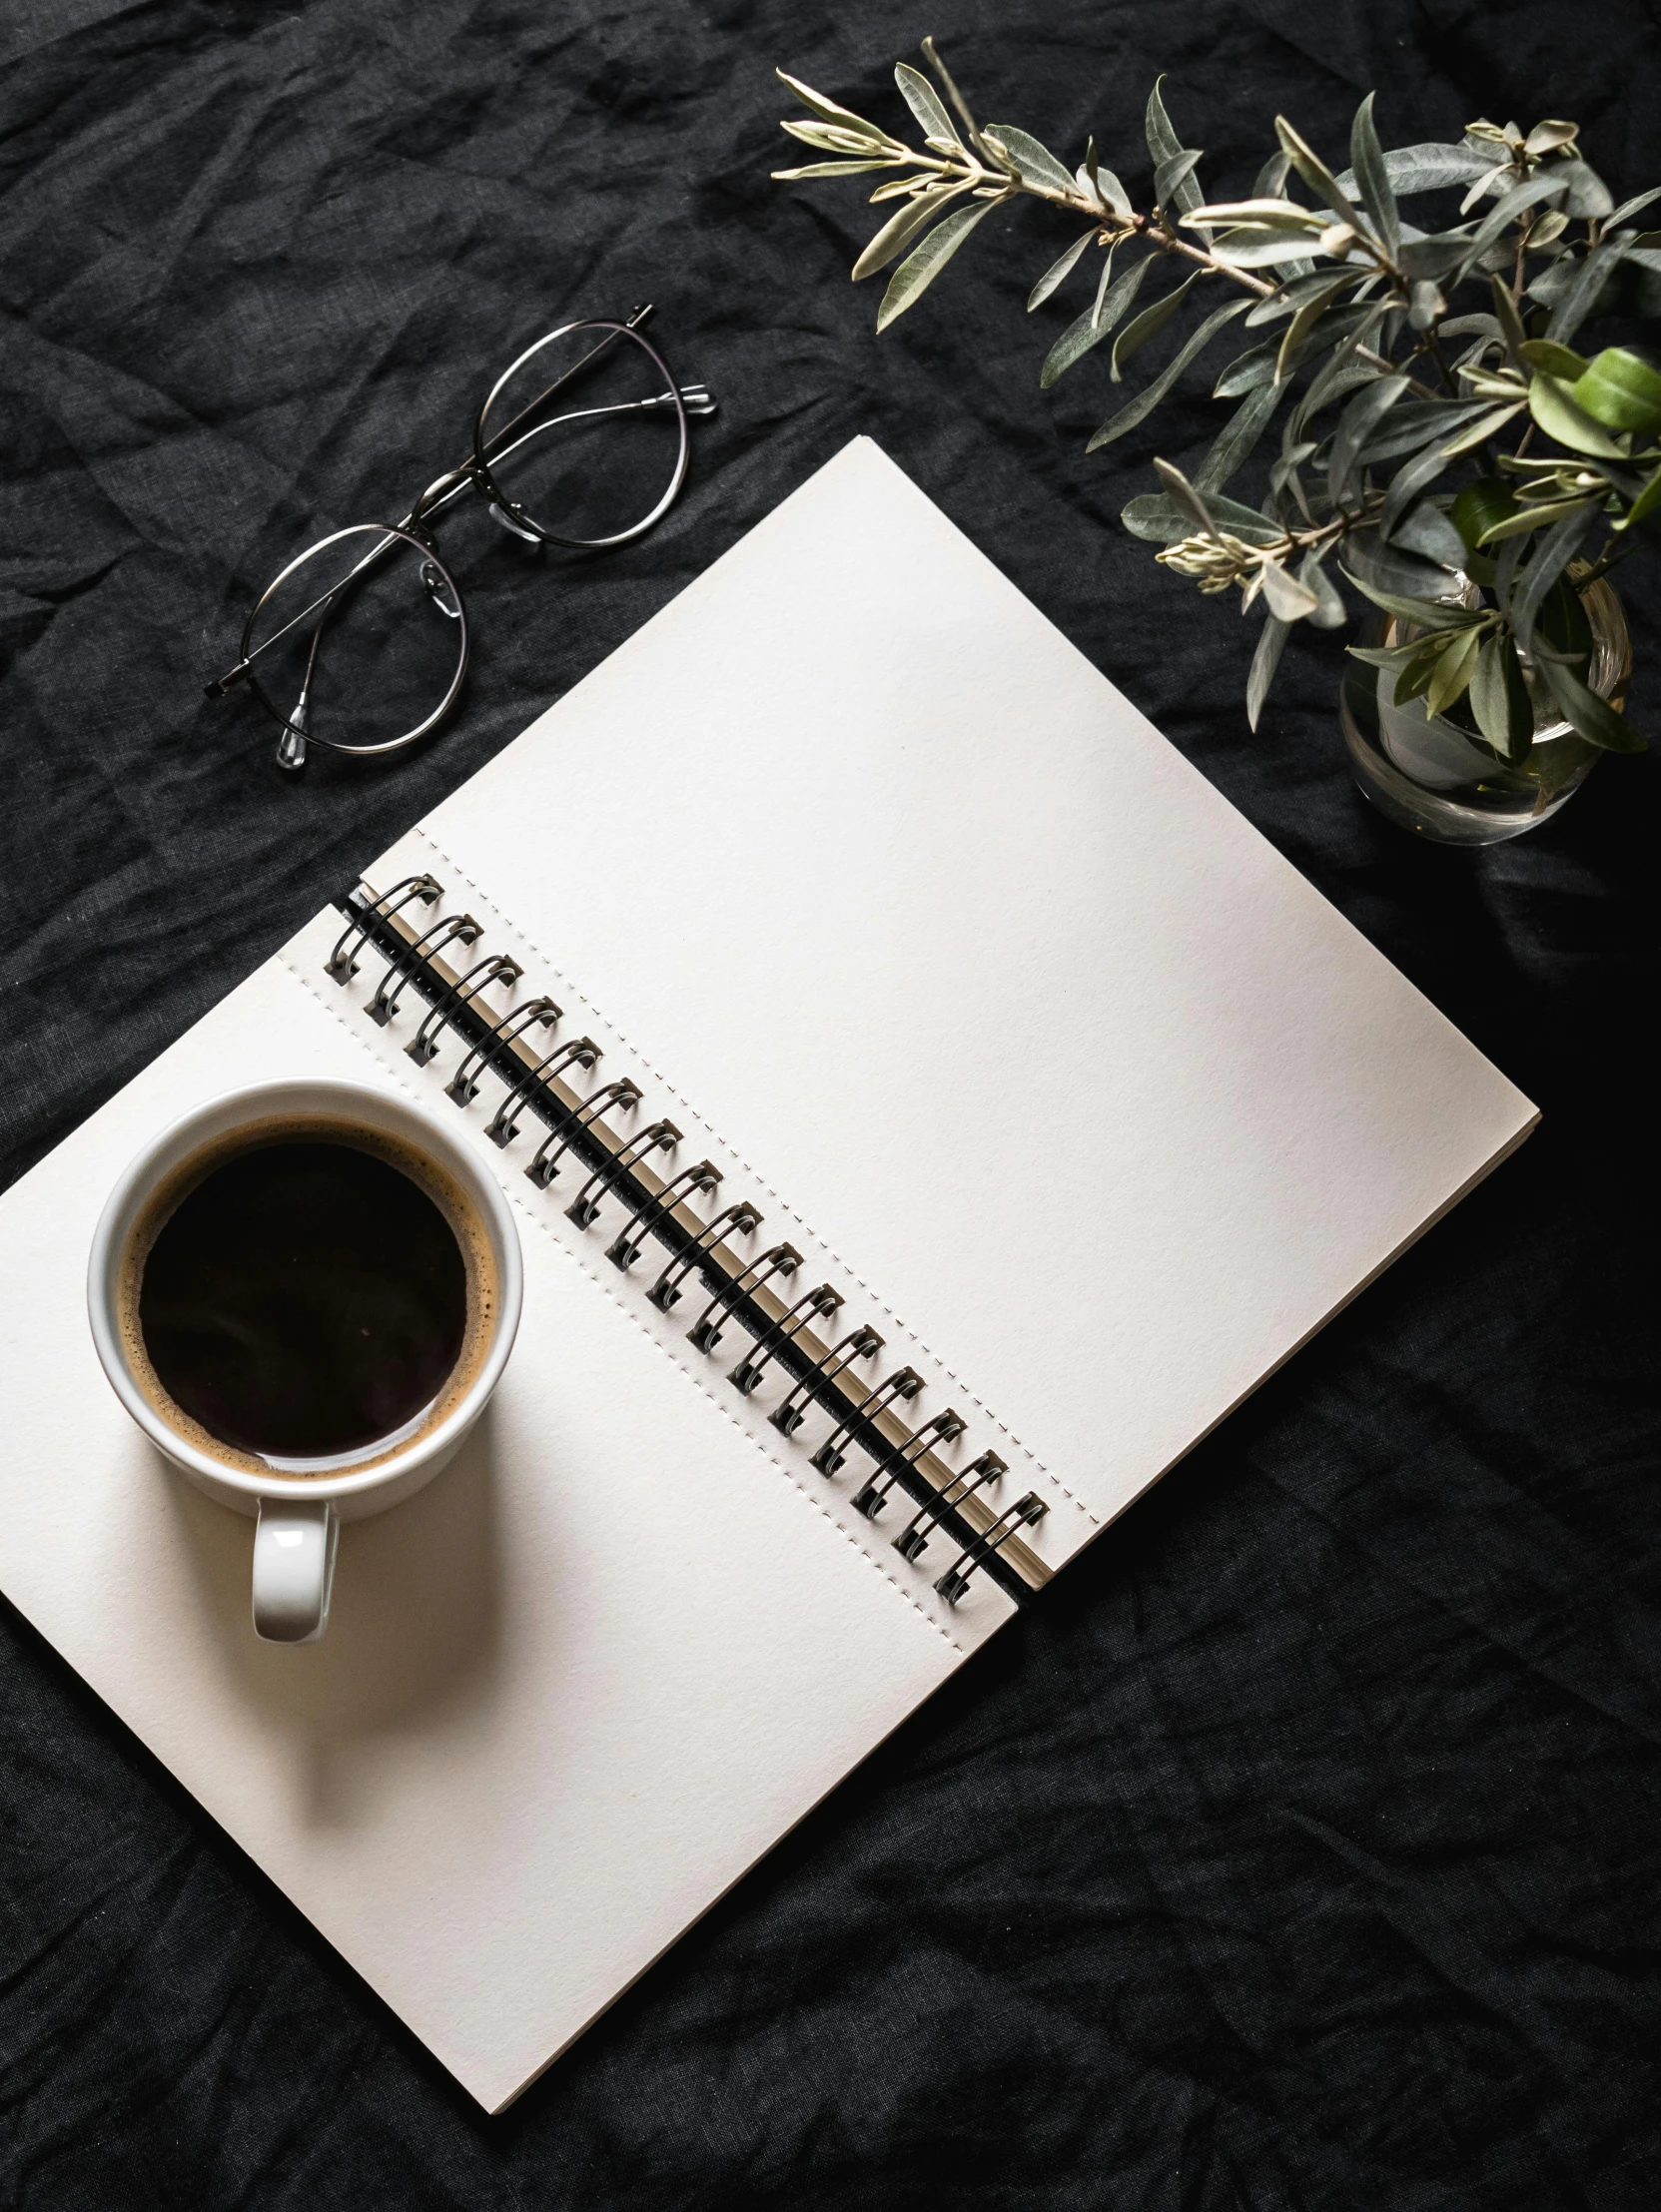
x: 302, y: 1094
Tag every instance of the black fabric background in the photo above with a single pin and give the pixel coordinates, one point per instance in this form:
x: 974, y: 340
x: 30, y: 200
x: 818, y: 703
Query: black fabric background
x: 1300, y: 1849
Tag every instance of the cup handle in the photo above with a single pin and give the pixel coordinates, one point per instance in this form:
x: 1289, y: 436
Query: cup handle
x: 294, y: 1569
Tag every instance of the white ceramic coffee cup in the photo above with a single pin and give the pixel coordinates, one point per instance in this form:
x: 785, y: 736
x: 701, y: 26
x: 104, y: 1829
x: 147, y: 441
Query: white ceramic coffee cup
x: 298, y: 1516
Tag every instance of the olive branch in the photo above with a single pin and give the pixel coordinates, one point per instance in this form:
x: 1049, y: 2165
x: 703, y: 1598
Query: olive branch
x: 1472, y: 471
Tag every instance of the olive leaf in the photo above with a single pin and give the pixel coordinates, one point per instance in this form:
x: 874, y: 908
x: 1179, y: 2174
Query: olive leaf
x: 1594, y: 718
x: 901, y: 228
x: 1392, y: 659
x: 1418, y: 421
x: 1258, y: 366
x: 1429, y: 614
x: 1577, y: 303
x: 1239, y: 435
x: 1288, y: 297
x: 1553, y: 554
x: 1418, y: 672
x: 1373, y: 177
x: 1265, y: 661
x: 830, y: 169
x: 1098, y: 306
x: 1356, y: 426
x: 1558, y: 360
x: 1034, y: 163
x: 1430, y: 168
x: 1143, y: 405
x: 924, y: 103
x: 1622, y: 391
x: 1585, y: 194
x: 1058, y: 270
x: 1408, y: 483
x: 1169, y: 174
x: 1149, y: 323
x: 1164, y: 145
x: 1286, y: 597
x: 1557, y: 414
x: 1499, y: 698
x: 1102, y: 185
x: 1184, y: 495
x: 1329, y: 380
x: 920, y: 268
x: 1455, y: 667
x: 1302, y: 325
x: 831, y: 138
x: 828, y: 112
x: 1156, y: 516
x: 1545, y: 185
x: 1645, y: 504
x: 1483, y: 427
x: 1369, y: 561
x: 1095, y: 322
x: 1317, y: 175
x: 1506, y: 315
x: 1270, y: 214
x: 1426, y: 529
x: 1631, y: 206
x: 1247, y: 370
x: 1429, y: 258
x: 1527, y: 520
x: 1328, y: 611
x: 1258, y: 246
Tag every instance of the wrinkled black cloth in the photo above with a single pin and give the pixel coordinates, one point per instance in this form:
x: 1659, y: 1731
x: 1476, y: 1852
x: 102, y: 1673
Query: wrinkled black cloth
x: 1303, y: 1846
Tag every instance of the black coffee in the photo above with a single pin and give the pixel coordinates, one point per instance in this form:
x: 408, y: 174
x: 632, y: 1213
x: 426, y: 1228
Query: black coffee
x: 304, y: 1300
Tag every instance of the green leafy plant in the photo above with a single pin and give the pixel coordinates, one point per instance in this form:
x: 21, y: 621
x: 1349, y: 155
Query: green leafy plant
x: 1472, y: 472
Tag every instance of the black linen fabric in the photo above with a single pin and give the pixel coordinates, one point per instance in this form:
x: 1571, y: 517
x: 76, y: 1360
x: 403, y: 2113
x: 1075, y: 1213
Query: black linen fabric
x: 1299, y: 1850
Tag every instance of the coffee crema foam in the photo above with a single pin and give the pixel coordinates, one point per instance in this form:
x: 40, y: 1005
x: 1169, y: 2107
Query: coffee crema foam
x: 435, y: 1181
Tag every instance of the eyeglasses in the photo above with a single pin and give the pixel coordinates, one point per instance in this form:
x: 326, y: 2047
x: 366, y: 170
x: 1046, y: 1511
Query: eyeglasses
x: 360, y: 644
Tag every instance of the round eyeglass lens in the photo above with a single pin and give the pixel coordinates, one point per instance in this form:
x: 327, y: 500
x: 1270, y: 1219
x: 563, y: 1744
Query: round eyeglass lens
x: 583, y: 441
x: 360, y: 644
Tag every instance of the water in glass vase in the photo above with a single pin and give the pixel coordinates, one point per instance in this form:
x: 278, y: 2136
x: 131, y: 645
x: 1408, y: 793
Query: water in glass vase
x: 1435, y: 775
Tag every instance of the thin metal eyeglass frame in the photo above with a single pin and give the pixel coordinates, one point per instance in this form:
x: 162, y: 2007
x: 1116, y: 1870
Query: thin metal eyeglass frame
x: 442, y: 493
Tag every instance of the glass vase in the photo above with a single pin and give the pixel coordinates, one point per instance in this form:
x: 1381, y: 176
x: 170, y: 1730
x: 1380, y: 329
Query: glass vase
x: 1432, y: 775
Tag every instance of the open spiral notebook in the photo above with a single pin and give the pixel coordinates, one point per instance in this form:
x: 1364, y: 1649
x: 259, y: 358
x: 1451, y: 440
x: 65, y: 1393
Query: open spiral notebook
x: 929, y: 1107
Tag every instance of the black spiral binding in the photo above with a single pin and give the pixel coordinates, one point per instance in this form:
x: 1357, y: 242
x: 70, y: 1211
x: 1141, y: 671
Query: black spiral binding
x: 342, y: 963
x: 751, y: 1370
x: 633, y: 1242
x: 897, y: 1388
x: 912, y: 1539
x: 656, y: 1210
x: 503, y: 1127
x: 621, y: 1097
x: 781, y: 1261
x: 455, y: 928
x: 1023, y: 1514
x: 741, y: 1219
x: 860, y: 1343
x: 462, y: 1086
x: 872, y: 1494
x: 657, y: 1136
x: 494, y: 969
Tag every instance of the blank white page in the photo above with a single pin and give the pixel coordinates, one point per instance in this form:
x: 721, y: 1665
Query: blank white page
x: 569, y: 1694
x: 1095, y: 1093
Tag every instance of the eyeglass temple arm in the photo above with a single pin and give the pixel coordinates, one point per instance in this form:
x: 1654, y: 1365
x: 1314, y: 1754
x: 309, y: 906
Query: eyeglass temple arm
x: 631, y: 322
x: 695, y: 399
